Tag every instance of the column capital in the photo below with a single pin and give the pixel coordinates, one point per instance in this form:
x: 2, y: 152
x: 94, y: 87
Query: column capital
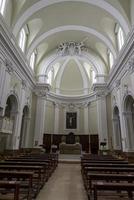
x: 42, y: 89
x: 100, y: 89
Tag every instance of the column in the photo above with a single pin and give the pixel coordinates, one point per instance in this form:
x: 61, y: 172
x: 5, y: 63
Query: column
x: 86, y: 123
x: 41, y: 91
x: 26, y: 139
x: 117, y: 134
x: 56, y: 119
x: 17, y: 133
x: 129, y: 131
x: 40, y: 119
x: 102, y: 120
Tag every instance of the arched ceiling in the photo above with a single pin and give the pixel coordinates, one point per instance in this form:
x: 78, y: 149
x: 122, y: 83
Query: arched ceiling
x: 52, y: 22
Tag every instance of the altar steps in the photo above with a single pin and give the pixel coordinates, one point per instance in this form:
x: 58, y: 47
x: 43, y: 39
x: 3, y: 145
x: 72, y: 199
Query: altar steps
x: 69, y: 158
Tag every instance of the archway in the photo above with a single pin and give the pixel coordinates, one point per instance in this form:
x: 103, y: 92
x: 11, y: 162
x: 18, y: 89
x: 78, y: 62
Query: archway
x: 24, y: 127
x: 117, y: 129
x: 11, y: 111
x: 129, y: 120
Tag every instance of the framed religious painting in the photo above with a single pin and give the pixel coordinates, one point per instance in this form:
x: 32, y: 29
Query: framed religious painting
x: 71, y: 120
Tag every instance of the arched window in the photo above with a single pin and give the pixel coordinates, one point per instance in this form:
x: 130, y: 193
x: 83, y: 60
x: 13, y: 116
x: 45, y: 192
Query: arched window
x: 2, y: 6
x: 93, y: 77
x: 50, y: 77
x: 32, y: 60
x: 110, y: 59
x: 22, y: 39
x: 120, y: 36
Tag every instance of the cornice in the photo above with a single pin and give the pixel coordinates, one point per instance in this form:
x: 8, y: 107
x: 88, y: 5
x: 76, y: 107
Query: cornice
x: 11, y: 51
x: 63, y: 99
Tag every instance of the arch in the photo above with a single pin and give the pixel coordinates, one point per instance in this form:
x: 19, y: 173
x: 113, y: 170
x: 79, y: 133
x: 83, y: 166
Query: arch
x: 11, y: 112
x: 44, y: 3
x: 11, y: 105
x: 129, y: 120
x: 24, y: 126
x: 117, y: 129
x: 97, y: 64
x: 59, y: 29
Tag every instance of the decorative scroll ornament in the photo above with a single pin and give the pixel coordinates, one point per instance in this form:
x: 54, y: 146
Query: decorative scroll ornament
x: 131, y: 64
x: 71, y: 48
x: 117, y: 83
x: 9, y: 66
x: 24, y: 84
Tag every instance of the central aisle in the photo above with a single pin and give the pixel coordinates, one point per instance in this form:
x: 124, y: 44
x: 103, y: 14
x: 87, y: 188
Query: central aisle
x: 65, y: 184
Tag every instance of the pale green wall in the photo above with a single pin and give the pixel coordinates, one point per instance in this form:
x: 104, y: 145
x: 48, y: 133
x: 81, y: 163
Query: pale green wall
x: 8, y: 12
x: 71, y: 80
x: 49, y: 118
x: 93, y: 121
x: 132, y: 11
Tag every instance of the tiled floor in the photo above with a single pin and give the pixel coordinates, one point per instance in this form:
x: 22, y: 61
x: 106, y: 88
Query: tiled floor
x: 65, y: 184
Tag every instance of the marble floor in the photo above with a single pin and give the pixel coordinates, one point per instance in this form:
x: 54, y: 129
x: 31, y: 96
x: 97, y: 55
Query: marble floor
x: 65, y: 184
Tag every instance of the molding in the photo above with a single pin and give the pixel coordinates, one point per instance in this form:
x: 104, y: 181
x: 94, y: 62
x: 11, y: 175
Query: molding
x: 78, y: 101
x: 12, y: 53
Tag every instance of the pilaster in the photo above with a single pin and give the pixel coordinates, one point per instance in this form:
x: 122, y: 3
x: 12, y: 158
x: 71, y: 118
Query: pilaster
x: 41, y: 92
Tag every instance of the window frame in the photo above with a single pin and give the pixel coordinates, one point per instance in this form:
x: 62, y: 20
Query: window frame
x: 2, y: 6
x: 32, y: 60
x: 120, y: 36
x: 22, y: 39
x: 110, y: 59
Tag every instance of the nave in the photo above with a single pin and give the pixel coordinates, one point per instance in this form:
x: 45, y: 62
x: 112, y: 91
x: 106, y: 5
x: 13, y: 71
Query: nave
x: 66, y: 183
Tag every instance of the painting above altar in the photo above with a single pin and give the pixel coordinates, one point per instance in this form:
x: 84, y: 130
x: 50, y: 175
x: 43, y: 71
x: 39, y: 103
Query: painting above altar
x: 71, y: 120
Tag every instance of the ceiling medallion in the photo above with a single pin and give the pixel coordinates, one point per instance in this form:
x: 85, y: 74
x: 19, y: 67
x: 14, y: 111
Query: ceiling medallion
x: 71, y: 48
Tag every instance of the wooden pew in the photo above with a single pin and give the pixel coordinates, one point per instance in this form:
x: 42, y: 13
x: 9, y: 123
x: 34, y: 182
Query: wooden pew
x: 129, y: 188
x: 44, y: 174
x: 128, y: 178
x: 51, y: 165
x: 37, y: 182
x: 25, y: 178
x: 11, y: 185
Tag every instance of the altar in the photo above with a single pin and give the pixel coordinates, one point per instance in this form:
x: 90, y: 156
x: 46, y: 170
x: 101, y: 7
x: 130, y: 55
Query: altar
x: 70, y: 148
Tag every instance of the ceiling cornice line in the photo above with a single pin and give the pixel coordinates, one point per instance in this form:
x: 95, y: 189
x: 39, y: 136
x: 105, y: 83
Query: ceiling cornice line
x: 59, y: 29
x: 44, y: 3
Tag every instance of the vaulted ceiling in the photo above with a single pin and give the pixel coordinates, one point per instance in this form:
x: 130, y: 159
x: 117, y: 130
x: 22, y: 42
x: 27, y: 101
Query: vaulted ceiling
x: 52, y: 22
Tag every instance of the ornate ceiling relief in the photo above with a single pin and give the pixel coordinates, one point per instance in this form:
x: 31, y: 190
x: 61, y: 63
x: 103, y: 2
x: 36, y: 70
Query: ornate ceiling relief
x: 71, y: 48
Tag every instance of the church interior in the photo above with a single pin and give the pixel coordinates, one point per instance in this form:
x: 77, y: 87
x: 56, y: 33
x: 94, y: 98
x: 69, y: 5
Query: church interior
x: 66, y: 99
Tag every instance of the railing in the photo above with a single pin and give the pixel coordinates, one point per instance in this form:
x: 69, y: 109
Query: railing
x: 6, y: 125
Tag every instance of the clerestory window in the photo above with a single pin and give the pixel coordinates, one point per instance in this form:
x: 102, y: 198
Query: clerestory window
x: 2, y: 6
x: 120, y: 36
x: 22, y: 39
x: 111, y: 59
x: 32, y: 60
